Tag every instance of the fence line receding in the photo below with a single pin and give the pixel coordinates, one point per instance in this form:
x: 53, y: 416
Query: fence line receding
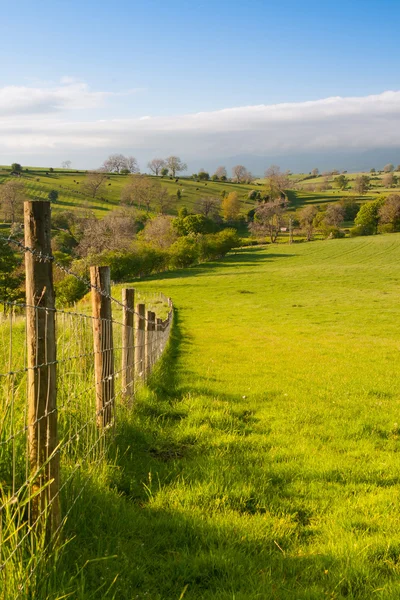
x: 63, y: 375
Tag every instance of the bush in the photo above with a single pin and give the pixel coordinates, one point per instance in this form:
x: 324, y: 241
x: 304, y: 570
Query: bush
x: 333, y: 233
x: 360, y: 230
x: 184, y: 253
x: 69, y: 290
x: 387, y: 228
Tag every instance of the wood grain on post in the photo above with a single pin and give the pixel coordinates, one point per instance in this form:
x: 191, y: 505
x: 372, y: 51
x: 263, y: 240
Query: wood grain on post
x: 159, y: 338
x: 103, y: 344
x: 128, y: 349
x: 149, y: 344
x: 140, y: 340
x: 41, y: 367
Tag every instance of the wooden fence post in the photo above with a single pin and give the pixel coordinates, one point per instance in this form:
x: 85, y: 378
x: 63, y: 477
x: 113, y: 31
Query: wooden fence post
x: 103, y: 344
x: 128, y: 350
x: 140, y: 340
x: 149, y: 345
x: 41, y: 362
x: 159, y: 338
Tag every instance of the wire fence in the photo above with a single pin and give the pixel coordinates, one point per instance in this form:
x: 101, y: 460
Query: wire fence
x: 63, y: 376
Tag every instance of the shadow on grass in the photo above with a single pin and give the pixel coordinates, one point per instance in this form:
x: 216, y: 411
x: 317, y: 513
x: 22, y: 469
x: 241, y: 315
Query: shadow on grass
x: 249, y: 256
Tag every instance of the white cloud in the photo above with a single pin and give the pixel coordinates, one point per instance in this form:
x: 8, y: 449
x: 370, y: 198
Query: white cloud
x: 36, y: 119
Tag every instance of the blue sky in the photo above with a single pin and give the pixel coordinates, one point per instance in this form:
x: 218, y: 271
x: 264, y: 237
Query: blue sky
x: 168, y: 59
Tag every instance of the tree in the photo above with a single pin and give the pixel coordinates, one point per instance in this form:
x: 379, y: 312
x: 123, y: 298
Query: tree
x: 231, y: 206
x: 276, y: 183
x: 66, y: 164
x: 208, y: 206
x: 116, y: 163
x: 203, y: 175
x: 94, y: 182
x: 10, y: 280
x: 268, y: 219
x: 334, y: 215
x: 156, y: 165
x: 361, y: 184
x: 389, y: 211
x: 16, y: 168
x: 175, y: 165
x: 164, y: 171
x: 221, y: 174
x: 162, y: 199
x: 341, y: 181
x: 240, y: 174
x: 307, y: 217
x: 388, y: 168
x: 315, y: 172
x: 193, y: 224
x: 351, y: 208
x: 372, y: 170
x: 368, y: 216
x: 116, y: 231
x: 145, y: 192
x: 53, y: 195
x: 388, y: 179
x: 12, y: 195
x: 160, y: 232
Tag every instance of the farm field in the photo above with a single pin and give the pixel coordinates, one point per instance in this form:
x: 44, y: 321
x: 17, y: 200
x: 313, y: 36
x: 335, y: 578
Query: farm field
x: 263, y: 461
x: 40, y: 182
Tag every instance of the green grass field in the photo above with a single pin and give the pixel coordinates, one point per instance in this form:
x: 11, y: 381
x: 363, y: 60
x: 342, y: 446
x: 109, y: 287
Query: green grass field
x: 263, y: 462
x: 69, y: 184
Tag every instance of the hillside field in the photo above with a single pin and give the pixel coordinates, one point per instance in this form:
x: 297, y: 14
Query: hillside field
x: 263, y: 462
x: 69, y: 184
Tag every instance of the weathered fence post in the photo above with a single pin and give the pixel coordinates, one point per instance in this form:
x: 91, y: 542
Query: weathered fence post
x: 128, y: 350
x: 149, y: 345
x: 140, y: 340
x: 159, y: 338
x: 103, y: 344
x: 41, y: 362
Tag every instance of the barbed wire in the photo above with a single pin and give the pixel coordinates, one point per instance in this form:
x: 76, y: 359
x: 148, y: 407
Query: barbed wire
x: 50, y: 259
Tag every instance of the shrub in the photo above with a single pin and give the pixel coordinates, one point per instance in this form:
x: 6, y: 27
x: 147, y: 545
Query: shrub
x: 183, y: 253
x: 69, y: 290
x: 360, y: 230
x: 333, y: 233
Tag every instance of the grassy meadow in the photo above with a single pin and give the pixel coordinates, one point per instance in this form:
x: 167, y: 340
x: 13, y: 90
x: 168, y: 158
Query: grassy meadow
x: 262, y: 462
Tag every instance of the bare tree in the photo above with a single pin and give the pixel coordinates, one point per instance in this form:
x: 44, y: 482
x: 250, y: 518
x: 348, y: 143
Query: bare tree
x: 12, y: 195
x: 137, y: 191
x: 239, y: 173
x: 268, y: 219
x: 66, y: 164
x: 146, y: 192
x: 156, y: 165
x: 334, y: 215
x: 388, y: 168
x: 388, y: 180
x: 208, y: 206
x: 94, y: 182
x: 276, y: 182
x: 115, y: 232
x: 160, y: 232
x: 307, y: 216
x: 361, y: 184
x: 162, y: 199
x: 221, y: 173
x: 116, y: 163
x: 389, y: 212
x: 315, y: 172
x: 175, y: 165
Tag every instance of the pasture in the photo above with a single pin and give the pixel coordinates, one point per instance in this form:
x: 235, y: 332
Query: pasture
x: 263, y: 460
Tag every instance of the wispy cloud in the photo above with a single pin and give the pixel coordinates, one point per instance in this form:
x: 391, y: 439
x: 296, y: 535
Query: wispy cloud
x: 68, y: 95
x: 35, y: 119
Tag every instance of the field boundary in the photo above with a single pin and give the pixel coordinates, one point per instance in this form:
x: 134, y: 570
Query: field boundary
x: 64, y: 376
